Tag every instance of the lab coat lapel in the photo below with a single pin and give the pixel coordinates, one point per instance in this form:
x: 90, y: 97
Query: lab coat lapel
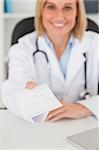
x: 55, y: 68
x: 76, y: 61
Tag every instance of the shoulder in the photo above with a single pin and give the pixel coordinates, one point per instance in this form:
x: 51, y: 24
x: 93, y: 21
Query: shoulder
x: 91, y: 38
x: 28, y: 40
x: 90, y: 43
x: 26, y: 44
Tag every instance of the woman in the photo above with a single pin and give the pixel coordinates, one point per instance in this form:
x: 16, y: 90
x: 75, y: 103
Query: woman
x: 72, y: 63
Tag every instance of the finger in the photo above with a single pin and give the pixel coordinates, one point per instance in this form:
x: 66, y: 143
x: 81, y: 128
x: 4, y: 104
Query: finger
x: 30, y: 84
x: 63, y: 115
x: 57, y: 117
x: 53, y: 113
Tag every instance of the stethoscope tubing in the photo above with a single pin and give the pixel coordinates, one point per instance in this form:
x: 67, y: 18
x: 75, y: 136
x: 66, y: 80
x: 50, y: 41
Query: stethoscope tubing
x: 39, y: 51
x: 85, y: 93
x: 85, y: 71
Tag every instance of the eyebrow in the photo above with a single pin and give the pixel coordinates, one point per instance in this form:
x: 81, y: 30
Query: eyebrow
x: 68, y: 4
x: 49, y: 3
x: 55, y: 4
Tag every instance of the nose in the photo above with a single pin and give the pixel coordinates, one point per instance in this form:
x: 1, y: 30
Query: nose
x: 59, y: 15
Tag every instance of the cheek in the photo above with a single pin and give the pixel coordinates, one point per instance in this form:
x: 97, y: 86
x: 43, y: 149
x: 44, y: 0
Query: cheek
x: 71, y: 18
x: 45, y: 19
x: 71, y: 21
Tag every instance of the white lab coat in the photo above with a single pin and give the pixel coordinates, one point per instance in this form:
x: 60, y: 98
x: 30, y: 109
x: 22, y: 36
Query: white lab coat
x: 23, y: 69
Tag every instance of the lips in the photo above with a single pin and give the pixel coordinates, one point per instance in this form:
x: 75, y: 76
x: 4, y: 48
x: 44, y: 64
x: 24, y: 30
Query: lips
x: 58, y: 25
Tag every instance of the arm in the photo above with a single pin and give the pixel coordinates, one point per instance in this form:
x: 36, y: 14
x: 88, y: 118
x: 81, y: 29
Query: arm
x: 21, y: 67
x: 83, y: 108
x: 21, y: 70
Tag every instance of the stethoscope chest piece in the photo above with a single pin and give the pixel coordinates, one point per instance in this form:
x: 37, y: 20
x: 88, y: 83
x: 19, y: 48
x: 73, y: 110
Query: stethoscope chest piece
x: 85, y: 94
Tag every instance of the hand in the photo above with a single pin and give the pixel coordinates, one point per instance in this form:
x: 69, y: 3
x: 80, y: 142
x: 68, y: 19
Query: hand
x: 30, y: 84
x: 69, y: 110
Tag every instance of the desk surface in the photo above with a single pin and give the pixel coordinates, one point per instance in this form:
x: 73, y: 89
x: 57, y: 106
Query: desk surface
x: 18, y: 134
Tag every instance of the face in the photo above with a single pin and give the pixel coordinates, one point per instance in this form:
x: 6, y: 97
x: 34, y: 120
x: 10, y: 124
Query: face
x: 59, y: 17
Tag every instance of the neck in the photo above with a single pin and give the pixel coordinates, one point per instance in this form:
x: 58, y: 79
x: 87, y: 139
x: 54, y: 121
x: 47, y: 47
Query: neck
x: 59, y: 44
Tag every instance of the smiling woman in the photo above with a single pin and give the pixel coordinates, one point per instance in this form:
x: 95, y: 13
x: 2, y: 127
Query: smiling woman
x: 66, y: 58
x: 58, y: 19
x: 73, y: 8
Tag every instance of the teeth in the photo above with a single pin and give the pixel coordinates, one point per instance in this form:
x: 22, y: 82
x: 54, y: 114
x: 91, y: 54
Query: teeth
x: 58, y: 24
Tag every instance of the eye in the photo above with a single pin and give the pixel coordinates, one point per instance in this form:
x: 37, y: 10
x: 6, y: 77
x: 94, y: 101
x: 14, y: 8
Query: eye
x: 51, y: 7
x: 67, y: 8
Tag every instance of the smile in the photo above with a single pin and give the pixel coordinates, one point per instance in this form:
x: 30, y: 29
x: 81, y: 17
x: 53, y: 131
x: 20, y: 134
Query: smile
x: 59, y: 25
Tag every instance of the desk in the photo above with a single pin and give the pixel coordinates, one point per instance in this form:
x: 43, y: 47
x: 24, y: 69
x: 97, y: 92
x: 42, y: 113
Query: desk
x: 18, y: 134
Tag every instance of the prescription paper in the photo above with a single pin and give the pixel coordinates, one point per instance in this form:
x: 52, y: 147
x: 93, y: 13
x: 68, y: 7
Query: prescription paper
x: 36, y: 103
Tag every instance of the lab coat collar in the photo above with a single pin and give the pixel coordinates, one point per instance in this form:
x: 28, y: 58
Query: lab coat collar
x: 76, y: 61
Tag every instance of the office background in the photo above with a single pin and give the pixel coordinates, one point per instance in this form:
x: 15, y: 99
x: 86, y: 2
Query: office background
x: 11, y: 12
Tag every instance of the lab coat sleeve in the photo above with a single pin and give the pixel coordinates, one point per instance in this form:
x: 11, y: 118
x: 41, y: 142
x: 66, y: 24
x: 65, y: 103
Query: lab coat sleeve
x: 21, y: 67
x: 92, y: 104
x: 9, y: 94
x: 21, y: 70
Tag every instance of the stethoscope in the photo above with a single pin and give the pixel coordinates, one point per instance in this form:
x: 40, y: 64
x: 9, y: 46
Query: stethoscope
x: 39, y: 51
x: 84, y: 94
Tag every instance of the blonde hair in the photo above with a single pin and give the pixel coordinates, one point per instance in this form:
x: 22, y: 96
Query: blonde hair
x: 80, y: 25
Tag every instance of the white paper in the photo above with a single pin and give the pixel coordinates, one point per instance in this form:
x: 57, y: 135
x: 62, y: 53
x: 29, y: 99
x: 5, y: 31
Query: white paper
x: 36, y: 103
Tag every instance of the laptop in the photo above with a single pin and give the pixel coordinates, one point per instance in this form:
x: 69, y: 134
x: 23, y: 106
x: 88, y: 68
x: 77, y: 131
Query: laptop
x: 87, y: 140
